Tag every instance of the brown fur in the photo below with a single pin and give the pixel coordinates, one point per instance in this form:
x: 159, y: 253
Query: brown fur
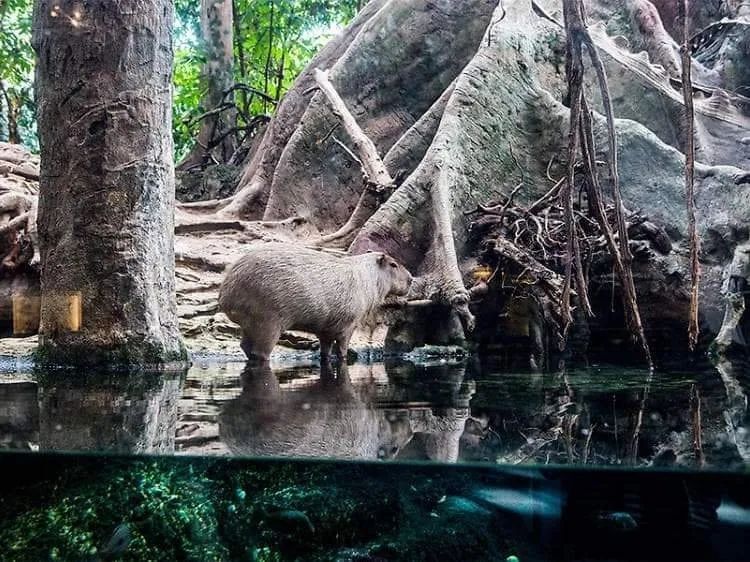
x: 278, y: 287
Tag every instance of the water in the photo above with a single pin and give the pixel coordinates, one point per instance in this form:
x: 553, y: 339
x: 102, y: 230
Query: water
x: 451, y: 460
x: 445, y: 412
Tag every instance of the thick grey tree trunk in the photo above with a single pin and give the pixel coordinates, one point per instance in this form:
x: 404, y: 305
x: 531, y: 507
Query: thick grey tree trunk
x: 218, y: 31
x: 106, y: 209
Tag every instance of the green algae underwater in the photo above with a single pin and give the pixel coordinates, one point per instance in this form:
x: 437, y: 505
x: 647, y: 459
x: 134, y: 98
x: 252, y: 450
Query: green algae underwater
x: 180, y: 508
x: 91, y: 507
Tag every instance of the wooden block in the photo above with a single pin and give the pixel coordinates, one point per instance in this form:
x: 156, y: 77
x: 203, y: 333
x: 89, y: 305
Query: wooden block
x: 75, y: 312
x: 26, y: 312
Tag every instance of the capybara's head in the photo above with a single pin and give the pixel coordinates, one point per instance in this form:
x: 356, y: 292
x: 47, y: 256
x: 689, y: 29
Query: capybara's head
x: 398, y: 276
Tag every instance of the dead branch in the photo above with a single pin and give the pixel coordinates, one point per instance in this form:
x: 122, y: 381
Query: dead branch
x: 371, y: 161
x: 551, y: 280
x: 547, y: 196
x: 538, y: 10
x: 687, y: 92
x: 500, y: 209
x: 210, y: 113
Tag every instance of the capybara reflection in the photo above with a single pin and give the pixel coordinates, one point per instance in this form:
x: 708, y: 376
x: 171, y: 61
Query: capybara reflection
x: 326, y: 418
x: 276, y: 287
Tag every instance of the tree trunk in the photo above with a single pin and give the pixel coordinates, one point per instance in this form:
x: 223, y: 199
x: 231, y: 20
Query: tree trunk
x: 106, y: 225
x: 13, y: 107
x: 214, y: 139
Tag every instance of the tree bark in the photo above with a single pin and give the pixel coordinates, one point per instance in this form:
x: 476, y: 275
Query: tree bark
x: 106, y: 224
x: 217, y: 28
x: 13, y: 109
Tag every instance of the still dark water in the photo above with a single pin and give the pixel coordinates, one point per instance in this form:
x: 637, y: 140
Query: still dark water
x: 465, y: 462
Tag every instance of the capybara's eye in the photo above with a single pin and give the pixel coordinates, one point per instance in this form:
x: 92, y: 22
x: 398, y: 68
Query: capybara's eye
x: 394, y: 264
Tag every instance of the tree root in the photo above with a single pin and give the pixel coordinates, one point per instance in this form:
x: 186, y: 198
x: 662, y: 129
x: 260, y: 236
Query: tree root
x: 378, y: 182
x: 577, y: 36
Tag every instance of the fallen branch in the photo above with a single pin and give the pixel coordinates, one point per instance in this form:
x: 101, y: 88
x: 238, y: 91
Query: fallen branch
x: 551, y: 280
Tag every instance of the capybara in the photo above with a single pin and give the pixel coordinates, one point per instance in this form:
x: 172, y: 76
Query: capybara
x: 276, y: 287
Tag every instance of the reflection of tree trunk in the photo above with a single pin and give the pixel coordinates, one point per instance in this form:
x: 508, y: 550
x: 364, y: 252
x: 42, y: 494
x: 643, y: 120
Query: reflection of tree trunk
x: 214, y: 141
x: 106, y: 204
x: 137, y: 417
x: 19, y: 415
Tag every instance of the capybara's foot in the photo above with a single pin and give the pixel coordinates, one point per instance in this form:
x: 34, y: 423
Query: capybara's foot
x: 256, y: 361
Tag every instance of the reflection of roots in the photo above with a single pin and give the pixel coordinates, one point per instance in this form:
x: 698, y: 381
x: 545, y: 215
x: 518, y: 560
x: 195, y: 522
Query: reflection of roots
x: 731, y: 333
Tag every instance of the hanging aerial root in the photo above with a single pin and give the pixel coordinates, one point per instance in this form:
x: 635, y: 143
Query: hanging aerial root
x: 577, y: 36
x: 573, y: 262
x: 687, y: 92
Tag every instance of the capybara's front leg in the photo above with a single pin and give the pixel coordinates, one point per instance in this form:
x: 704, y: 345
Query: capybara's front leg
x: 248, y: 346
x: 259, y: 340
x: 325, y: 349
x: 342, y: 345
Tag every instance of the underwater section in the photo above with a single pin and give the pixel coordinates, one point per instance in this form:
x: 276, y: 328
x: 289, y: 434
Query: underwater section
x: 91, y: 507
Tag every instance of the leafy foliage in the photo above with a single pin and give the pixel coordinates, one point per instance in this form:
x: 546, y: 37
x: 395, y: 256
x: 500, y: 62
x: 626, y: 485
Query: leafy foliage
x: 17, y: 109
x: 274, y: 39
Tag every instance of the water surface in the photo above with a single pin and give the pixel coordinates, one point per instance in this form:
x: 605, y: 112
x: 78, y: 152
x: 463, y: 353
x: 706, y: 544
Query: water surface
x: 445, y: 411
